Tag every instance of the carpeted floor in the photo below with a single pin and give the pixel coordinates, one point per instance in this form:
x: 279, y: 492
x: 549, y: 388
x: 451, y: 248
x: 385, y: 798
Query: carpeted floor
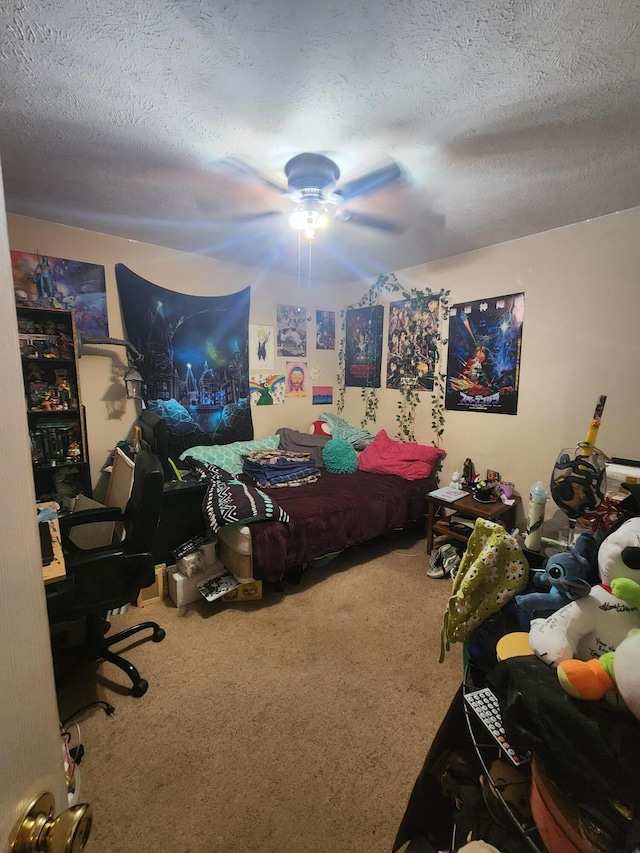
x: 293, y: 724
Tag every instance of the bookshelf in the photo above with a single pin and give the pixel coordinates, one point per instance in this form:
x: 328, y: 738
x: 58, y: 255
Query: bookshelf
x: 59, y: 453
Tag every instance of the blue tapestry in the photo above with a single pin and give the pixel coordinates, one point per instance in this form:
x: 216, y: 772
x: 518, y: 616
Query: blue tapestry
x: 195, y: 358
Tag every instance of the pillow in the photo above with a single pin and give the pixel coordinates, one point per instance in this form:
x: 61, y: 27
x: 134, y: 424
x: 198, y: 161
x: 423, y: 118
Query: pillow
x: 229, y: 456
x: 404, y: 458
x: 320, y: 428
x: 339, y: 457
x: 340, y: 428
x: 183, y: 431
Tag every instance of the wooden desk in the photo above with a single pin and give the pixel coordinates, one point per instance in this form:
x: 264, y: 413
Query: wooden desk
x: 467, y: 507
x: 56, y: 570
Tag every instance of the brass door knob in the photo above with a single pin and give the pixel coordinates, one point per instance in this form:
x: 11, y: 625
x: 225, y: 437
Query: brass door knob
x: 40, y: 832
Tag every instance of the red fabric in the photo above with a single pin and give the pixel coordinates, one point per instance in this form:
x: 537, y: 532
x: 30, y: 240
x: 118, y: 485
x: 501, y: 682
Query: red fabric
x: 403, y: 458
x: 319, y: 428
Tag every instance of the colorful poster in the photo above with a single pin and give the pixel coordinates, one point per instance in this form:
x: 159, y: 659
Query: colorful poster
x: 296, y: 381
x: 261, y: 347
x: 325, y: 329
x: 363, y: 346
x: 322, y: 395
x: 412, y: 353
x: 483, y: 366
x: 292, y: 330
x: 41, y: 281
x: 266, y: 389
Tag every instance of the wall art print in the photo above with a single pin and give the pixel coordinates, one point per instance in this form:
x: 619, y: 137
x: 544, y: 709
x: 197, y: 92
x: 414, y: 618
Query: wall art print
x: 195, y: 354
x: 412, y: 353
x: 292, y: 330
x: 266, y: 389
x: 42, y: 281
x: 483, y: 365
x: 325, y: 329
x: 296, y: 382
x: 262, y: 344
x: 322, y: 395
x: 363, y: 346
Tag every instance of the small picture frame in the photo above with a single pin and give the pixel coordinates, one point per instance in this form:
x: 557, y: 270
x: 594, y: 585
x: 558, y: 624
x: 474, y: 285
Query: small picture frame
x: 493, y: 476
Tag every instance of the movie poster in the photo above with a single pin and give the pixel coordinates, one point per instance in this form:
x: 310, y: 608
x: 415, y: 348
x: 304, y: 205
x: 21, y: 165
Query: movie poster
x: 412, y: 353
x: 363, y: 346
x: 325, y: 329
x: 483, y: 367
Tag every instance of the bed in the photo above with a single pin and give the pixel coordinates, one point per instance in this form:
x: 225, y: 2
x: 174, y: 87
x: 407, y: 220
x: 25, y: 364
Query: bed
x: 327, y: 516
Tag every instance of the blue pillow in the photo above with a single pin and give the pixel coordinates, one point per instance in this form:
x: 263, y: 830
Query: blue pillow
x: 339, y: 456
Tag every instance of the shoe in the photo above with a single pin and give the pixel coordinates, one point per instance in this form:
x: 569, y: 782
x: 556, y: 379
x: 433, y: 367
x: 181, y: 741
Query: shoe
x: 450, y: 559
x: 437, y: 568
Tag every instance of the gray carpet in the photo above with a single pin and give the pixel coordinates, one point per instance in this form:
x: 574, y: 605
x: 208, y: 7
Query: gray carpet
x: 297, y: 723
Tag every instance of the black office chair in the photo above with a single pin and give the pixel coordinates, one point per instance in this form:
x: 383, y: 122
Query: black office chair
x: 108, y: 577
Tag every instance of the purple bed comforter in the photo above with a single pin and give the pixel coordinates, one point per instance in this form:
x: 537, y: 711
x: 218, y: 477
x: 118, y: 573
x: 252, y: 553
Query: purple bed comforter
x: 335, y: 512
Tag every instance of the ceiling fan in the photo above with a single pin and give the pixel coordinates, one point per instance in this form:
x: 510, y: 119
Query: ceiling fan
x: 312, y: 186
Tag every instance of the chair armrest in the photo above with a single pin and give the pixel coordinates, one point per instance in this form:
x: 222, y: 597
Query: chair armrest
x: 88, y: 516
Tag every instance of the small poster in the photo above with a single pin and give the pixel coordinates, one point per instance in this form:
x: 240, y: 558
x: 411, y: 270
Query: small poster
x: 296, y: 382
x: 266, y: 389
x: 363, y: 346
x: 483, y: 366
x: 261, y: 347
x: 292, y: 330
x: 322, y: 395
x: 325, y: 329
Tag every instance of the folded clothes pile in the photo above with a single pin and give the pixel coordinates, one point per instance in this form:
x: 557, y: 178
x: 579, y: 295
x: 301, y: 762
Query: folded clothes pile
x: 278, y: 468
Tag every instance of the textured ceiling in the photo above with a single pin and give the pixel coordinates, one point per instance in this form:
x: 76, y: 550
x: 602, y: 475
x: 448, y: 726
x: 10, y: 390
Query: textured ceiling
x: 158, y: 120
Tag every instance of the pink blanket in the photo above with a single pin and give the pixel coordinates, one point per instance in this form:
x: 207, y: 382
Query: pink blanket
x: 405, y: 459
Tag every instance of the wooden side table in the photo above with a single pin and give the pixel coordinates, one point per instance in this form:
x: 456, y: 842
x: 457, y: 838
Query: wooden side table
x: 467, y: 507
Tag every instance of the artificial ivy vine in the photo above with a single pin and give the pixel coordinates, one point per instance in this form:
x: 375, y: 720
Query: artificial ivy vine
x: 409, y: 396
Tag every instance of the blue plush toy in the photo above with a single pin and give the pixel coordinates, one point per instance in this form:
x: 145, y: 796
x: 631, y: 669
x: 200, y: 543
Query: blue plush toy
x: 567, y: 576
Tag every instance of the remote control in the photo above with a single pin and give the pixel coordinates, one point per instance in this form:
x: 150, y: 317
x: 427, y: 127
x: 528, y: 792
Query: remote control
x: 485, y: 704
x: 190, y: 545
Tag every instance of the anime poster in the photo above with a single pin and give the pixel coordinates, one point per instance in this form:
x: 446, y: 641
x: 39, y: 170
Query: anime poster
x: 412, y: 353
x: 41, y: 281
x: 261, y: 347
x: 296, y: 381
x: 363, y: 346
x: 266, y: 389
x: 325, y: 329
x: 195, y: 359
x: 483, y: 368
x: 322, y: 395
x: 292, y: 330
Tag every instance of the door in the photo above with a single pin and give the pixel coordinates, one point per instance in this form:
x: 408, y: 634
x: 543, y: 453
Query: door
x: 30, y: 747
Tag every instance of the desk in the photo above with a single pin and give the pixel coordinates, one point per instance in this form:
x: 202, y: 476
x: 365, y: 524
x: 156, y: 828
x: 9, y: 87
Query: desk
x: 469, y: 508
x: 56, y: 570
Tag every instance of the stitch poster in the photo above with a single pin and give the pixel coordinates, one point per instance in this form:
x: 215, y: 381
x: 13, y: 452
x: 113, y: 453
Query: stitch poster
x: 483, y: 365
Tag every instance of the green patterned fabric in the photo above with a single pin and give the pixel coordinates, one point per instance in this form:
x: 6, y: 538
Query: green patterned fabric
x: 229, y: 456
x: 492, y: 570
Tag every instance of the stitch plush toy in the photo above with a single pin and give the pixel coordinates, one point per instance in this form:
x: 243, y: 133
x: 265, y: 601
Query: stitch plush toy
x: 600, y: 621
x: 567, y: 576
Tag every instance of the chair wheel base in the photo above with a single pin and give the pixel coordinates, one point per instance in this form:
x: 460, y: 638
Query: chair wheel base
x: 140, y: 687
x: 158, y: 635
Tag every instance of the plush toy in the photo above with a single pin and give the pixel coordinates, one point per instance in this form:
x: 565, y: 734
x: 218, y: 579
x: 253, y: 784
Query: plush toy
x: 588, y: 628
x: 567, y: 576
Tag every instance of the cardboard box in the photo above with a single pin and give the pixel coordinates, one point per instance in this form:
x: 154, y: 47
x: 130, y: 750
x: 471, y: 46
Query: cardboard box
x: 156, y: 591
x: 251, y: 591
x: 184, y: 590
x: 619, y: 474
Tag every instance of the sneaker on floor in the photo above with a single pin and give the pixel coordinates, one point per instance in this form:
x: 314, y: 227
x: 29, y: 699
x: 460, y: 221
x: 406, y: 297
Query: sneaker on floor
x: 450, y: 559
x: 437, y: 569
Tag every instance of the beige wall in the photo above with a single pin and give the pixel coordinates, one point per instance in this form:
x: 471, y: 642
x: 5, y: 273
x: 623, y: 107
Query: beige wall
x: 580, y: 337
x: 187, y: 274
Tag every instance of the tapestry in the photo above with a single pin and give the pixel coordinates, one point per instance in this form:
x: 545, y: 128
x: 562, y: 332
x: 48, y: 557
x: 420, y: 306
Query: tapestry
x: 41, y: 281
x: 194, y: 352
x: 483, y: 365
x: 412, y: 353
x: 363, y: 346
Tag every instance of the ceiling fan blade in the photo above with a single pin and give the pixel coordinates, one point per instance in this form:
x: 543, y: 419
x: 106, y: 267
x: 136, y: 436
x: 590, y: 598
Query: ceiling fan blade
x: 369, y: 221
x: 245, y: 171
x: 371, y: 182
x: 253, y: 217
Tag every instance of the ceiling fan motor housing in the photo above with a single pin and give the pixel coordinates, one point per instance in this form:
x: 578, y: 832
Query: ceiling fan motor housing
x: 311, y: 172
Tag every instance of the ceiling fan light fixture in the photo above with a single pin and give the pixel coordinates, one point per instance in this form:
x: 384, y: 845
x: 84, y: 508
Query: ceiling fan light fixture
x: 309, y: 216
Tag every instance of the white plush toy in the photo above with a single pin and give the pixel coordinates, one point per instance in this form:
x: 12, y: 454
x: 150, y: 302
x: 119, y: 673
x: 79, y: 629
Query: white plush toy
x: 598, y: 623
